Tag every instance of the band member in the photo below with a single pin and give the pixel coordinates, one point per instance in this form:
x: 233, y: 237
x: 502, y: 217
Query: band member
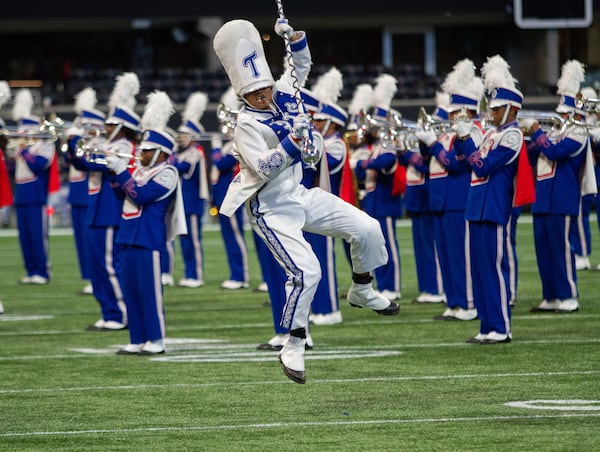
x: 33, y: 164
x: 88, y: 124
x: 560, y: 163
x: 490, y: 200
x: 190, y: 161
x: 269, y: 144
x: 6, y: 195
x: 381, y: 200
x: 104, y: 209
x: 152, y: 214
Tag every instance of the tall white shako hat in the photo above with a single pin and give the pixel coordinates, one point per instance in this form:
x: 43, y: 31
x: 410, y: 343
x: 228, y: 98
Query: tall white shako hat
x: 384, y: 91
x: 239, y: 48
x: 85, y: 103
x: 155, y: 133
x: 500, y: 84
x: 328, y: 90
x: 195, y: 107
x: 122, y: 101
x: 21, y: 112
x: 4, y: 98
x: 571, y: 76
x: 362, y: 100
x: 442, y: 100
x: 463, y: 86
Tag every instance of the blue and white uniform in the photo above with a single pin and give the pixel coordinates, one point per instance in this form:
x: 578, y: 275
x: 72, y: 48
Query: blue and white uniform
x: 191, y: 165
x: 32, y: 171
x: 488, y: 211
x: 558, y: 194
x: 148, y: 197
x: 224, y: 167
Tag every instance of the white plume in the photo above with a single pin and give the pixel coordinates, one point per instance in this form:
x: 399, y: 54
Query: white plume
x: 23, y: 104
x: 571, y: 76
x: 385, y: 90
x: 362, y: 99
x: 195, y: 106
x: 159, y: 109
x: 442, y: 99
x: 329, y: 86
x: 231, y: 100
x: 4, y: 93
x: 127, y: 86
x: 496, y: 73
x: 460, y: 77
x: 85, y: 100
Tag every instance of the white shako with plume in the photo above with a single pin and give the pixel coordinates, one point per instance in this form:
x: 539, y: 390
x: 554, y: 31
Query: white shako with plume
x: 384, y: 91
x: 463, y: 86
x: 362, y: 100
x: 328, y: 90
x: 85, y: 103
x: 122, y: 101
x: 194, y: 110
x: 159, y: 109
x: 21, y: 112
x: 501, y: 85
x: 4, y: 98
x: 571, y: 76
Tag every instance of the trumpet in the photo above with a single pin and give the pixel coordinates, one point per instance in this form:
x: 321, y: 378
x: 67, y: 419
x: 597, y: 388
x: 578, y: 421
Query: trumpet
x: 98, y: 155
x: 549, y: 121
x: 428, y: 122
x: 227, y: 119
x: 406, y: 140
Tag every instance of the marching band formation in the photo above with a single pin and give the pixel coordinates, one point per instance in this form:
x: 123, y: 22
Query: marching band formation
x: 302, y: 171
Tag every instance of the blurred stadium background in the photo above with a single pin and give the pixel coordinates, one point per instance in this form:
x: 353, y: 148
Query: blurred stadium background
x: 57, y: 49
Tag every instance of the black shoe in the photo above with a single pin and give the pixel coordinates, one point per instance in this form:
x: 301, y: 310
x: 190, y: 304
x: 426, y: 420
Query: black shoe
x: 122, y: 351
x: 297, y: 376
x: 269, y: 347
x: 146, y: 352
x: 392, y: 309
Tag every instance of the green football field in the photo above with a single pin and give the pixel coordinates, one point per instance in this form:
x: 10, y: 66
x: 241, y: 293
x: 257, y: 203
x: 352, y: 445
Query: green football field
x: 373, y: 383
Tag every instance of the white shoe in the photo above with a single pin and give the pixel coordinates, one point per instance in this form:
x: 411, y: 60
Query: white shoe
x: 130, y: 349
x: 262, y: 287
x: 426, y: 297
x: 88, y: 289
x: 275, y: 343
x: 465, y: 314
x: 568, y: 305
x: 34, y: 279
x: 291, y: 357
x: 166, y: 279
x: 495, y: 338
x: 332, y: 318
x: 477, y: 339
x: 448, y: 314
x: 309, y: 342
x: 582, y: 263
x: 153, y: 347
x: 546, y: 306
x: 113, y: 325
x: 233, y: 285
x: 1, y: 308
x: 189, y: 282
x: 390, y: 294
x: 363, y: 296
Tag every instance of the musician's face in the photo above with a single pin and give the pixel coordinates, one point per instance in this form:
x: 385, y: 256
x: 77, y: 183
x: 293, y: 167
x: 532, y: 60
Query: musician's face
x: 497, y: 114
x: 260, y: 99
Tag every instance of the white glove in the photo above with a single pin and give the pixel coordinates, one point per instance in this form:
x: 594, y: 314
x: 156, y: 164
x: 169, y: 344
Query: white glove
x: 283, y: 28
x: 595, y: 133
x: 116, y: 164
x: 462, y: 128
x: 426, y: 136
x: 216, y: 142
x: 301, y: 126
x: 527, y: 123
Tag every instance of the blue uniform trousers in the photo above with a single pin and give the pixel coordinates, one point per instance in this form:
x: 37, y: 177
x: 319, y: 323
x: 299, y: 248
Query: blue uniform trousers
x: 490, y: 271
x: 143, y: 293
x: 453, y: 248
x: 32, y: 224
x: 232, y: 231
x: 555, y: 258
x: 104, y: 259
x: 388, y: 276
x: 429, y: 278
x: 78, y: 213
x: 191, y: 248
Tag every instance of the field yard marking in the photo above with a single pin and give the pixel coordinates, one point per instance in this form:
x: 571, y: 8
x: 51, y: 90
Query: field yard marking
x: 15, y: 317
x: 344, y: 423
x: 558, y: 405
x: 316, y: 381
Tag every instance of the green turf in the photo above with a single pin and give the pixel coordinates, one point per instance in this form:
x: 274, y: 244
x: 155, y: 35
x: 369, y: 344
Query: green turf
x: 373, y: 383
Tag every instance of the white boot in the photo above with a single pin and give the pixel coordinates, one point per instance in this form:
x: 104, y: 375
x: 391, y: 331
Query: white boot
x: 363, y: 296
x: 291, y: 357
